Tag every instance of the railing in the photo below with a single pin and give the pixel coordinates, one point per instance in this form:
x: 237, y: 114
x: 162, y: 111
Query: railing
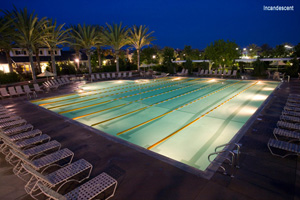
x: 232, y: 156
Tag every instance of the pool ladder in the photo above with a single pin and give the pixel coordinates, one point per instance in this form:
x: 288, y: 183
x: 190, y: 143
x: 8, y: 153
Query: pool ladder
x: 232, y: 156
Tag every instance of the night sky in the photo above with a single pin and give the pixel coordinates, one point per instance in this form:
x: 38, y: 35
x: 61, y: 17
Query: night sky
x: 185, y: 22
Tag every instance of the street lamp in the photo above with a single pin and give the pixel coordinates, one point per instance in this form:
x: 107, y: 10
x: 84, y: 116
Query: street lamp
x: 154, y: 56
x: 77, y: 61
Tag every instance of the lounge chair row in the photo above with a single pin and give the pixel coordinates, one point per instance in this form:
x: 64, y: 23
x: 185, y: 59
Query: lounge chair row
x: 219, y: 73
x: 18, y: 91
x: 56, y: 83
x: 184, y: 72
x: 288, y: 130
x: 33, y: 153
x: 113, y: 75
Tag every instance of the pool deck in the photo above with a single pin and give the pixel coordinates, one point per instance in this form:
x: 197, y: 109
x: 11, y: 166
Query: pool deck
x: 141, y: 176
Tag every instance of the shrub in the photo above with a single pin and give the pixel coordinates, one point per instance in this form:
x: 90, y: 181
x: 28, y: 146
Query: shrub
x: 9, y: 77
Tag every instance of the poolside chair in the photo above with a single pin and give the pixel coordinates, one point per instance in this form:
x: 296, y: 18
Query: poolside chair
x: 19, y: 90
x: 119, y: 75
x: 4, y: 93
x: 93, y: 77
x: 12, y: 91
x: 287, y: 118
x: 130, y: 75
x: 290, y: 135
x: 124, y: 75
x: 228, y: 73
x: 295, y: 95
x: 60, y: 158
x: 37, y: 88
x: 16, y: 123
x: 289, y: 104
x: 290, y: 148
x: 181, y: 73
x: 211, y: 73
x: 201, y: 72
x: 7, y: 115
x: 291, y: 113
x: 293, y: 100
x: 10, y: 119
x: 18, y: 129
x: 205, y: 73
x: 108, y: 75
x: 220, y: 73
x: 76, y: 171
x: 67, y: 80
x: 61, y: 82
x: 98, y: 77
x: 289, y: 126
x: 27, y: 89
x: 294, y: 109
x: 234, y: 74
x: 103, y: 76
x: 113, y: 75
x: 89, y: 190
x: 21, y: 136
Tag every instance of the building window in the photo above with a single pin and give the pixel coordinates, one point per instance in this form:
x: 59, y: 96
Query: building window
x: 49, y: 52
x: 18, y: 52
x: 55, y: 52
x: 41, y: 52
x: 24, y: 52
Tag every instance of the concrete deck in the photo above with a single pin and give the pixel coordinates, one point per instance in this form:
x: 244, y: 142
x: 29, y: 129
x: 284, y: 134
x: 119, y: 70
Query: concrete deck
x: 140, y: 176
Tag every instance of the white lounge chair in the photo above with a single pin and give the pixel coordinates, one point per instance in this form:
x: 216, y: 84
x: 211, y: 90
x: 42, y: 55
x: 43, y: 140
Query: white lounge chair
x: 12, y: 91
x: 228, y: 73
x: 4, y: 93
x: 201, y: 72
x: 290, y: 148
x: 98, y: 77
x: 290, y: 135
x: 37, y: 88
x: 130, y: 75
x: 124, y: 75
x: 291, y: 113
x: 76, y: 171
x: 234, y: 74
x: 206, y: 72
x: 181, y: 73
x: 103, y: 76
x: 93, y: 77
x: 108, y: 75
x: 19, y: 90
x: 8, y: 125
x: 211, y: 73
x: 18, y: 129
x: 89, y: 190
x: 10, y: 119
x: 119, y: 75
x: 27, y: 89
x: 113, y: 75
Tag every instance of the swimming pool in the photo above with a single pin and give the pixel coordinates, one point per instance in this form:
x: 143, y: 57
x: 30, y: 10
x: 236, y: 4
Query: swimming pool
x: 180, y: 118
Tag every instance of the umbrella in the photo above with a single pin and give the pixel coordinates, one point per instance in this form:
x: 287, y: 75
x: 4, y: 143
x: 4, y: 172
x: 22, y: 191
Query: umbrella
x: 45, y: 73
x: 277, y: 63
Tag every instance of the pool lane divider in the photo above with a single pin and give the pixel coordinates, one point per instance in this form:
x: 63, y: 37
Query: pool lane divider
x: 43, y: 104
x: 153, y: 105
x: 185, y: 126
x: 108, y: 95
x: 162, y: 115
x: 124, y: 104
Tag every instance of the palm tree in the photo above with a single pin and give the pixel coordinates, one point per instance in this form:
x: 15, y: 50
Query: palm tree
x: 116, y: 37
x: 55, y: 35
x: 100, y: 44
x: 139, y: 37
x: 27, y: 31
x: 86, y: 37
x: 72, y: 42
x: 6, y: 39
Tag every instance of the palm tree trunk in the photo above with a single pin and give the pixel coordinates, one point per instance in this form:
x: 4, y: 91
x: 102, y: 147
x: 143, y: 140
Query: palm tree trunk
x: 32, y: 65
x: 138, y: 59
x: 89, y: 61
x: 53, y: 63
x: 38, y: 61
x: 99, y: 56
x: 77, y: 56
x: 8, y: 58
x: 117, y: 58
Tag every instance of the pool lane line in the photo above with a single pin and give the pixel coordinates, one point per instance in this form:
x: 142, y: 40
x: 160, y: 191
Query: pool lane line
x: 124, y: 104
x: 108, y: 95
x: 162, y: 115
x: 177, y: 131
x: 78, y: 97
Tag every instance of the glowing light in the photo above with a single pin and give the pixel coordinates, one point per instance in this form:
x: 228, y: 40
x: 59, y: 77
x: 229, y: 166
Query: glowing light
x: 268, y: 89
x: 259, y: 97
x: 177, y: 78
x: 248, y: 110
x: 76, y: 60
x: 212, y: 80
x: 120, y: 81
x: 260, y: 83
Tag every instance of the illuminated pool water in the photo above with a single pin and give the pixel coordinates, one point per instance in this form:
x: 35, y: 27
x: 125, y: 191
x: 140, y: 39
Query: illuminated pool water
x: 181, y: 118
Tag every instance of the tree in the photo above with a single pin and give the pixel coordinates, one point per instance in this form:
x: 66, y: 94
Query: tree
x: 56, y: 35
x: 73, y: 44
x: 100, y: 44
x: 168, y: 57
x: 150, y: 55
x: 222, y: 53
x: 279, y: 51
x: 297, y: 50
x: 139, y: 37
x: 116, y: 37
x: 27, y: 31
x: 253, y: 50
x: 266, y: 50
x: 6, y: 39
x: 86, y: 37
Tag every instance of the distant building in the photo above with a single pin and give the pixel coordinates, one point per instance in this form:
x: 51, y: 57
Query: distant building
x: 20, y: 59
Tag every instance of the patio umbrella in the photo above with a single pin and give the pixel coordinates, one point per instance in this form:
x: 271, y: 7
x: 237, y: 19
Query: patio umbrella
x: 277, y: 63
x: 45, y: 73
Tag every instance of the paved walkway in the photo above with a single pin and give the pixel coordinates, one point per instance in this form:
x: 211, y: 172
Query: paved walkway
x: 140, y: 176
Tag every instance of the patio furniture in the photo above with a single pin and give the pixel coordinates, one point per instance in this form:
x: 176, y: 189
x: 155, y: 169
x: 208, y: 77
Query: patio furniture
x: 206, y: 72
x: 124, y: 75
x: 234, y: 74
x: 19, y: 129
x: 27, y: 89
x: 93, y: 77
x: 10, y: 119
x: 291, y: 113
x: 76, y: 171
x: 294, y: 109
x: 98, y: 77
x: 287, y: 118
x: 228, y: 73
x: 291, y: 135
x: 89, y: 190
x: 113, y: 75
x: 211, y: 73
x: 289, y: 148
x: 289, y: 126
x: 6, y: 115
x: 12, y: 91
x: 119, y: 75
x: 37, y: 88
x: 12, y: 124
x: 181, y: 73
x: 289, y: 104
x: 108, y: 75
x: 201, y: 72
x: 4, y: 93
x: 103, y: 76
x: 130, y: 75
x: 58, y: 158
x: 19, y: 90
